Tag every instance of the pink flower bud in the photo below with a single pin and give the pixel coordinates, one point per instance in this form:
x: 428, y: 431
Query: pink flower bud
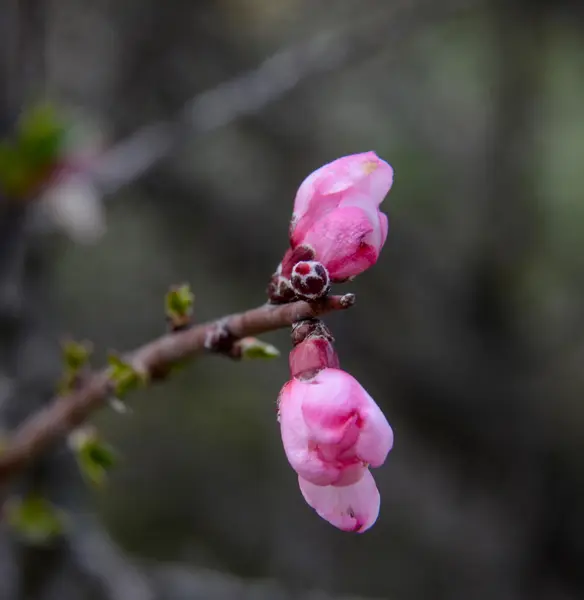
x: 280, y: 289
x: 336, y: 214
x: 332, y: 430
x: 310, y: 280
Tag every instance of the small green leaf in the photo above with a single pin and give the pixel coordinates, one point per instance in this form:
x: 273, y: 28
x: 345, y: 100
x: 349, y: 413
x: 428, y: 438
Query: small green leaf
x: 179, y: 305
x: 40, y: 136
x: 76, y: 354
x: 35, y: 519
x: 94, y: 456
x: 253, y: 348
x: 124, y: 376
x: 37, y: 146
x: 75, y: 358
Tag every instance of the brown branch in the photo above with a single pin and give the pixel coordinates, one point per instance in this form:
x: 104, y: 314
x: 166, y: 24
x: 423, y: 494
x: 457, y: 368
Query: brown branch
x: 65, y: 413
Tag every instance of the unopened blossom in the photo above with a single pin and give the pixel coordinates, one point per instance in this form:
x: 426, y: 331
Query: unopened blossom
x: 337, y: 216
x: 309, y: 280
x: 333, y: 431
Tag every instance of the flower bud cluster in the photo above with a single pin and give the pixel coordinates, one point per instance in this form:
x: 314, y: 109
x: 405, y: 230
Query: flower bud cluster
x: 333, y: 432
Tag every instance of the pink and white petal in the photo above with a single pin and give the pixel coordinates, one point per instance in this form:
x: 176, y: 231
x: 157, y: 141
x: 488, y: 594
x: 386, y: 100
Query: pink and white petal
x: 376, y: 435
x: 319, y: 192
x: 344, y: 173
x: 320, y: 205
x: 364, y: 171
x: 350, y: 508
x: 359, y: 180
x: 329, y: 410
x: 335, y: 181
x: 371, y: 176
x: 311, y: 467
x: 378, y: 235
x: 350, y: 266
x: 300, y: 449
x: 362, y: 200
x: 375, y: 439
x: 384, y: 225
x: 380, y: 180
x: 340, y: 240
x: 350, y: 474
x: 305, y: 194
x: 338, y: 234
x: 341, y: 417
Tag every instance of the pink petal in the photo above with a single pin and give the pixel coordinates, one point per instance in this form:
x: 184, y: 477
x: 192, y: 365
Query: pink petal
x: 340, y: 416
x: 376, y: 436
x: 341, y: 176
x: 384, y: 226
x: 347, y: 267
x: 300, y: 449
x: 306, y: 192
x: 364, y: 173
x: 350, y: 473
x: 330, y: 410
x: 363, y: 201
x: 337, y: 240
x: 320, y: 206
x: 361, y: 180
x: 350, y: 508
x: 378, y: 235
x: 380, y: 179
x: 312, y: 201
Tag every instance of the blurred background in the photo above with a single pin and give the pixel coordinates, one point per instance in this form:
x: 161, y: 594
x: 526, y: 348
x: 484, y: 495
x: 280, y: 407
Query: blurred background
x: 468, y: 332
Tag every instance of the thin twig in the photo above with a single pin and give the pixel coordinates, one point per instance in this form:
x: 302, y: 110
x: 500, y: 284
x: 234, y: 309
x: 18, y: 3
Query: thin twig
x: 66, y: 413
x: 249, y: 93
x: 254, y: 90
x: 214, y: 108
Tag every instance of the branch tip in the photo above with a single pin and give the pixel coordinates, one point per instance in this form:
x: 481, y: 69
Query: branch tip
x: 347, y: 300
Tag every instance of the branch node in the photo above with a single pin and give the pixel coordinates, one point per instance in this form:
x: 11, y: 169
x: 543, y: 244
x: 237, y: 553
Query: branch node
x: 220, y: 340
x: 310, y: 328
x: 125, y: 376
